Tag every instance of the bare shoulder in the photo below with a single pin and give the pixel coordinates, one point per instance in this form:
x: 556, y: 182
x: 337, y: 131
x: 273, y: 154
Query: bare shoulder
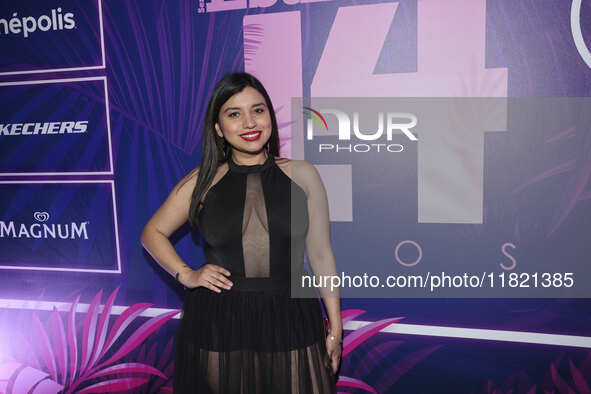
x: 300, y: 171
x: 282, y: 161
x: 188, y: 182
x: 292, y: 164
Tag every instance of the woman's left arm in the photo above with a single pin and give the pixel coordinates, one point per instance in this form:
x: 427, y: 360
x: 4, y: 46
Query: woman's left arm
x: 319, y: 251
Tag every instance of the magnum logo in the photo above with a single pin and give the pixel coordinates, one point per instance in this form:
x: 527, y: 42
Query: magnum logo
x: 44, y: 230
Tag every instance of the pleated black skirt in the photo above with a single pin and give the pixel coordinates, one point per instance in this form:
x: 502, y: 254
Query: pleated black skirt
x: 251, y: 342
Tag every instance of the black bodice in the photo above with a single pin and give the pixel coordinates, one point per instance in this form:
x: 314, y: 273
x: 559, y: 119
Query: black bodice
x: 254, y: 221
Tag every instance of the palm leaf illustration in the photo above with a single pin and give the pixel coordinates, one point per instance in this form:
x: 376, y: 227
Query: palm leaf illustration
x: 354, y: 339
x: 19, y: 378
x: 70, y: 359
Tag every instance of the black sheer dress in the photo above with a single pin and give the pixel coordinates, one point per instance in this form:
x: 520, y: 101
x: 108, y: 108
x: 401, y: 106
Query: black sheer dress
x: 253, y: 338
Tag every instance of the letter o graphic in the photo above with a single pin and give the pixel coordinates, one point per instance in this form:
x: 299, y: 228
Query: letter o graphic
x: 416, y: 245
x: 575, y: 27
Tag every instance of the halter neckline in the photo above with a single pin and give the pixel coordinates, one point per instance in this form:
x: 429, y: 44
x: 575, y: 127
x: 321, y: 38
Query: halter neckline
x: 244, y: 168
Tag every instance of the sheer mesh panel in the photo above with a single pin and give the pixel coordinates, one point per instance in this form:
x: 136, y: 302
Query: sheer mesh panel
x: 255, y: 229
x: 249, y: 372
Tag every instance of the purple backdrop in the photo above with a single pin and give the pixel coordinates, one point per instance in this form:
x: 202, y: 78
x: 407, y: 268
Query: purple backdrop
x: 102, y: 109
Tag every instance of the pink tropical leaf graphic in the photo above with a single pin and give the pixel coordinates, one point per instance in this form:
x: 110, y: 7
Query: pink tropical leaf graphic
x: 375, y: 357
x: 141, y: 357
x: 139, y: 335
x: 345, y: 381
x: 346, y: 315
x: 53, y: 351
x: 72, y: 342
x: 6, y: 370
x: 561, y: 385
x: 165, y: 354
x: 17, y: 378
x: 122, y: 322
x: 151, y: 358
x: 354, y: 339
x: 44, y: 347
x: 350, y: 314
x: 89, y: 329
x: 58, y: 333
x: 127, y: 368
x: 123, y: 384
x: 102, y: 327
x: 360, y: 335
x: 162, y: 360
x: 404, y: 365
x: 579, y: 379
x: 31, y: 355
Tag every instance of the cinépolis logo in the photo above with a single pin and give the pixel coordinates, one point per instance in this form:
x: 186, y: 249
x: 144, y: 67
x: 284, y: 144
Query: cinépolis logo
x: 394, y: 123
x: 34, y: 128
x: 26, y: 25
x: 41, y: 229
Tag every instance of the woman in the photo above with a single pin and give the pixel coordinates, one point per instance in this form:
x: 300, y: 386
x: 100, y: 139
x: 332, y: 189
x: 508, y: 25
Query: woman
x: 241, y: 332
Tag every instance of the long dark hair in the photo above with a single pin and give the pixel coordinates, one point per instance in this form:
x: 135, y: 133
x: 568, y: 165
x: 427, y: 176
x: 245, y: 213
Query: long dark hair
x: 215, y: 150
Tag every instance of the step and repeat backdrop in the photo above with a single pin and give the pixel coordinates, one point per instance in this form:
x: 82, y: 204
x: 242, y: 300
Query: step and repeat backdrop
x: 453, y: 138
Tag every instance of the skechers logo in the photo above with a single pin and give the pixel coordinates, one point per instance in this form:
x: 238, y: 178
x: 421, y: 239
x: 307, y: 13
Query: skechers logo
x: 69, y: 127
x: 29, y: 24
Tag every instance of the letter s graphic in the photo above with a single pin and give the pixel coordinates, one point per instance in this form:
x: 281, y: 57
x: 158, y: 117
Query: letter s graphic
x: 504, y: 251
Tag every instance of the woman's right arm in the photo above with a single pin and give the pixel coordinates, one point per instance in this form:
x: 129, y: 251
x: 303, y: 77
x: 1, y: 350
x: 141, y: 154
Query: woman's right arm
x: 173, y: 213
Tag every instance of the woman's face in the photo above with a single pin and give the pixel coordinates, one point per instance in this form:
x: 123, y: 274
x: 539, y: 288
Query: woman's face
x: 244, y: 121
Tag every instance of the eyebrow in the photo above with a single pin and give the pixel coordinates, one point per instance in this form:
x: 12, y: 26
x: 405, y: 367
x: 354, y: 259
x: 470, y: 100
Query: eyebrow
x: 254, y: 105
